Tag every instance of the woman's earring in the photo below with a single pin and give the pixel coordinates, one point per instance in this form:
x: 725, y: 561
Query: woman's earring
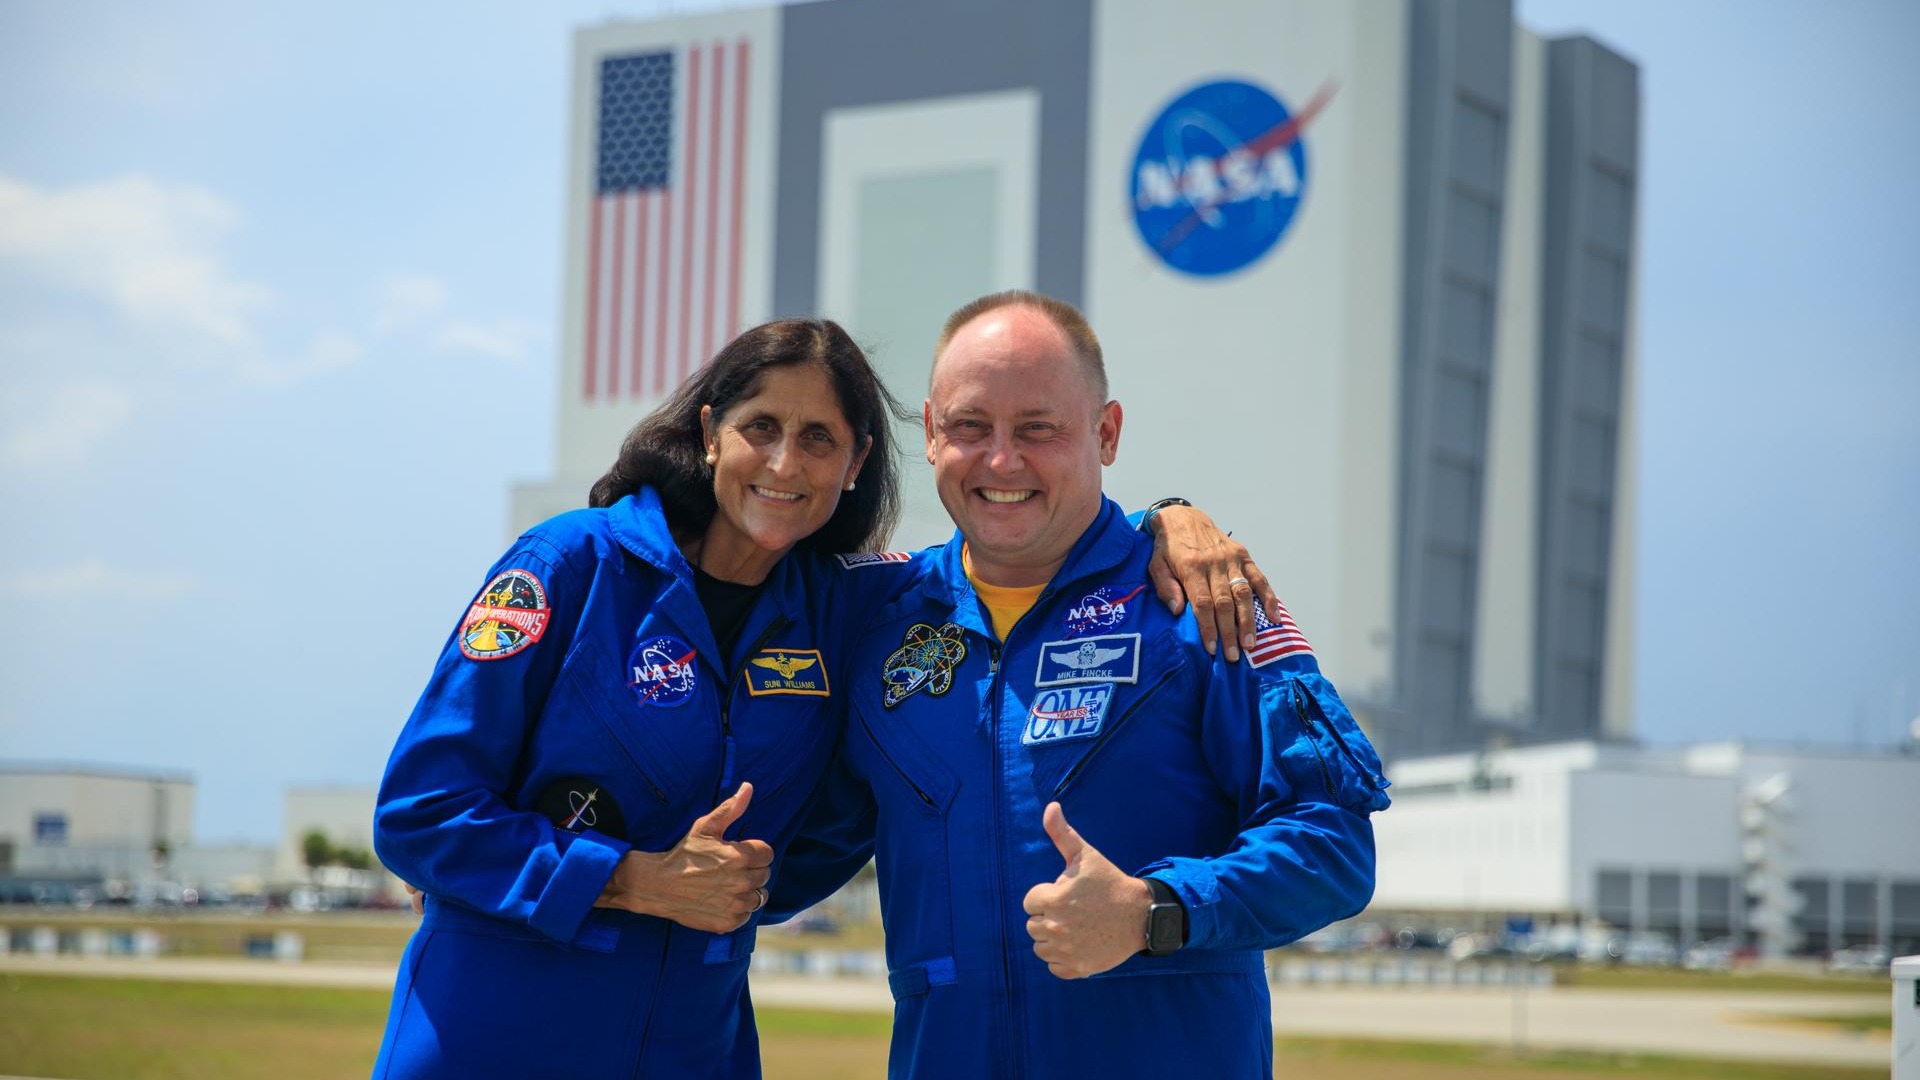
x: 849, y: 485
x: 713, y: 458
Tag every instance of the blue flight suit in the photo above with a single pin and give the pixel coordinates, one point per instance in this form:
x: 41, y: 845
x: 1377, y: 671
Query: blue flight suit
x: 581, y: 709
x: 1245, y: 787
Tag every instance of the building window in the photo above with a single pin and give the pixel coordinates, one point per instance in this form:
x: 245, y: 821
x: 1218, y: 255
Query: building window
x: 50, y: 830
x: 1663, y: 901
x: 1713, y: 904
x: 1613, y: 896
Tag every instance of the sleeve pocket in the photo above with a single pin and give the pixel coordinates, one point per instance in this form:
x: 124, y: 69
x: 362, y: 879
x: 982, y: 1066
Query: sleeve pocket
x: 1351, y: 767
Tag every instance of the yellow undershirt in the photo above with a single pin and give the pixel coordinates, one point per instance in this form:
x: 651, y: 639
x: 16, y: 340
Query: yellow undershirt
x: 1005, y: 604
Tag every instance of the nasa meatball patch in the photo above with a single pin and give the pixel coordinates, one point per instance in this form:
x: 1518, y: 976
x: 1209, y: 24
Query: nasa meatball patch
x: 509, y: 615
x: 1105, y: 608
x: 663, y: 671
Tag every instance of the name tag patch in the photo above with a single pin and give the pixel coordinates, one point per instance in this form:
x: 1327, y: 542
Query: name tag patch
x: 1072, y: 712
x: 1108, y: 658
x: 787, y: 671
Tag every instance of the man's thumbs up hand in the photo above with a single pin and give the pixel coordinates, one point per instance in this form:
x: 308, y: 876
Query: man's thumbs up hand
x: 1090, y: 918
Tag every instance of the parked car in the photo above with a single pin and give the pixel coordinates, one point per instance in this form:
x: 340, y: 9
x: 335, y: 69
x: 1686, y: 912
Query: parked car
x: 1861, y: 958
x: 1558, y: 944
x: 1714, y: 954
x: 1650, y: 948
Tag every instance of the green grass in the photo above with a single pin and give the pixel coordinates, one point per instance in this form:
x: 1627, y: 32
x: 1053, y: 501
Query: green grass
x: 82, y: 1028
x: 1861, y: 1023
x: 1353, y: 1059
x: 1640, y: 978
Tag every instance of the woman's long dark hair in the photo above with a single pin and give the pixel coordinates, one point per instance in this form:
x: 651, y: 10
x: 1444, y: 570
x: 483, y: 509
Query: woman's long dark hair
x: 667, y: 449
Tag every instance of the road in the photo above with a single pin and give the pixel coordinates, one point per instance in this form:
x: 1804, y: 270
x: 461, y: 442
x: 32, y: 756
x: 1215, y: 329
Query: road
x: 1729, y: 1024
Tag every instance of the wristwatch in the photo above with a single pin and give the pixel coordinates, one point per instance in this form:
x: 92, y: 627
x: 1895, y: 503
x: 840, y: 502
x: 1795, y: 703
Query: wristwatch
x: 1146, y: 516
x: 1166, y: 920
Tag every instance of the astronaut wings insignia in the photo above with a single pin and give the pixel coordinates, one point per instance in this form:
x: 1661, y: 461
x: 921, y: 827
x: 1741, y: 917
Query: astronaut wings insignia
x: 1087, y: 656
x: 1113, y: 658
x: 785, y: 665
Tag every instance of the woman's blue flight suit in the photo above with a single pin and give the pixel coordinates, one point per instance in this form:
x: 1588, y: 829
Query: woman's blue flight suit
x: 581, y: 709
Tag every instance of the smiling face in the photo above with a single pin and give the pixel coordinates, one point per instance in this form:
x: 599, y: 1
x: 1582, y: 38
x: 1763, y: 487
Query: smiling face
x: 1017, y: 435
x: 781, y: 459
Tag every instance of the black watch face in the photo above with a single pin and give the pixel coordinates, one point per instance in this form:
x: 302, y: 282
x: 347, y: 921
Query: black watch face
x: 1163, y: 929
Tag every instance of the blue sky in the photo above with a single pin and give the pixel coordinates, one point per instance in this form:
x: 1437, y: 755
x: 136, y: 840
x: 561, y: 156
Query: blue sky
x: 278, y: 304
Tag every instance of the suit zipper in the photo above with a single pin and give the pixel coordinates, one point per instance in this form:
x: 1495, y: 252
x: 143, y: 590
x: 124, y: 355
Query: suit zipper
x: 1306, y: 715
x: 726, y: 703
x: 1110, y: 731
x: 1003, y: 1031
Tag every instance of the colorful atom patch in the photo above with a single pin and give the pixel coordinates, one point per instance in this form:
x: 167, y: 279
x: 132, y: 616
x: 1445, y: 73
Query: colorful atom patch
x: 926, y: 659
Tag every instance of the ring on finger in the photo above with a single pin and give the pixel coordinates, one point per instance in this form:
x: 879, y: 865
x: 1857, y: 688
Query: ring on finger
x: 1239, y: 581
x: 760, y: 898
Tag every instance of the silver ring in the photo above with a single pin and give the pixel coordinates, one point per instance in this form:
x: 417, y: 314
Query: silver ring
x: 761, y: 892
x: 1232, y: 581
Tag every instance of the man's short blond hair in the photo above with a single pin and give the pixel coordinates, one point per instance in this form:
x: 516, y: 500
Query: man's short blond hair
x: 1061, y: 314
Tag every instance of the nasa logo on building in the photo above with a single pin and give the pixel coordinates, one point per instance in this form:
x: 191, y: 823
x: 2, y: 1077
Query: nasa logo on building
x: 1219, y: 177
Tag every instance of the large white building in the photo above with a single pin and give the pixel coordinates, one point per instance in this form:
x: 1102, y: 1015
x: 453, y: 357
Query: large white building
x: 66, y: 823
x: 1703, y: 842
x: 66, y: 827
x: 1363, y: 273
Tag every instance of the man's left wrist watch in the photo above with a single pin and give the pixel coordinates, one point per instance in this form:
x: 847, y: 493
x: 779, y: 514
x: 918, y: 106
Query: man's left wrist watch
x: 1166, y: 920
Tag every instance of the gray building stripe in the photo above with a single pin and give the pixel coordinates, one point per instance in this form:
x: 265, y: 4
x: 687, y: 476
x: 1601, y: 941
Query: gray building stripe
x: 1593, y: 122
x: 1459, y: 93
x: 840, y: 53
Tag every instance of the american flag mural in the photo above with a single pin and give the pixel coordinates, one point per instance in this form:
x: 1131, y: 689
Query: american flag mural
x: 663, y: 242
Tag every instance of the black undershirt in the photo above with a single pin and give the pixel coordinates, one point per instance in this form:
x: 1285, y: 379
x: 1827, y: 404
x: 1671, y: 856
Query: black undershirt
x: 727, y: 605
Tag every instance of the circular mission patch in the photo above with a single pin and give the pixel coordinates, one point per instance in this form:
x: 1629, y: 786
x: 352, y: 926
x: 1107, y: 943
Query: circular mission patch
x: 509, y: 615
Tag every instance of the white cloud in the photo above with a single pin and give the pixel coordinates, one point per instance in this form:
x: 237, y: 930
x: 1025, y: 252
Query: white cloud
x: 147, y: 248
x: 507, y: 340
x: 328, y: 352
x: 71, y: 419
x: 408, y: 298
x: 94, y: 578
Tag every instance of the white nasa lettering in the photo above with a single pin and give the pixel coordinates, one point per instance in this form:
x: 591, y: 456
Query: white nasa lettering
x: 1202, y: 184
x: 1158, y: 188
x: 1242, y: 175
x: 1205, y: 182
x: 1100, y: 612
x: 658, y: 672
x: 1281, y: 177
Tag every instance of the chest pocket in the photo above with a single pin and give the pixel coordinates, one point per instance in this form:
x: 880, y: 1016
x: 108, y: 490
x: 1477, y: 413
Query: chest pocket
x: 665, y: 746
x: 1069, y: 730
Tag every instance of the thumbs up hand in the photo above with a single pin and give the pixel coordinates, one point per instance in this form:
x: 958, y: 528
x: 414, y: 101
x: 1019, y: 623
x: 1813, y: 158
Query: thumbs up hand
x: 1090, y: 918
x: 705, y: 881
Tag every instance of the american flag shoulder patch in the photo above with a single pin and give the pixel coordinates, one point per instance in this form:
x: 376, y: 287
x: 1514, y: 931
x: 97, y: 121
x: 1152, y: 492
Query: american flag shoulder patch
x: 858, y: 559
x: 1275, y: 637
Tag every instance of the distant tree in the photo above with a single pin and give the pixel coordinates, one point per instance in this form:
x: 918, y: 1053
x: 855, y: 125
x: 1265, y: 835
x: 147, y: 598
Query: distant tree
x: 315, y: 850
x: 354, y: 858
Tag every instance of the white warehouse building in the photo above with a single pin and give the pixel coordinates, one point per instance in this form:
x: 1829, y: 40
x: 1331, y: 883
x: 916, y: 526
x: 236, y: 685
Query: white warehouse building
x: 1669, y: 840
